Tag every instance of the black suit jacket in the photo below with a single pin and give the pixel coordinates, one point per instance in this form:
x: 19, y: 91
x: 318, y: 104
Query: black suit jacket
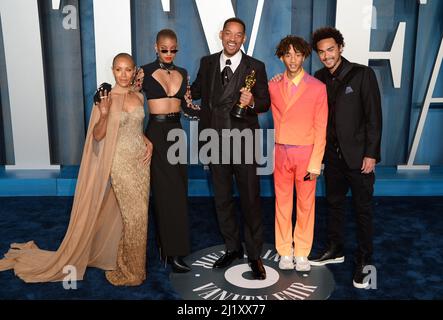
x: 358, y: 114
x: 217, y: 102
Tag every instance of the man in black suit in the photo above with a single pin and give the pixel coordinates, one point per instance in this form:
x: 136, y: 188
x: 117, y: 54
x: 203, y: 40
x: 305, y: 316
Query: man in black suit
x: 219, y: 85
x: 352, y: 148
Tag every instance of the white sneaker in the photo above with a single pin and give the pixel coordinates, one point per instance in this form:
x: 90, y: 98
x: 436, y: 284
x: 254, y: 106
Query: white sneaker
x: 286, y: 263
x: 302, y: 264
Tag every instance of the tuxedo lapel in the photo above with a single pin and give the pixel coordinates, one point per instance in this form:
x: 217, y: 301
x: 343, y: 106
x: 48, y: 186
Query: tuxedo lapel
x: 215, y: 84
x: 241, y: 74
x: 346, y: 68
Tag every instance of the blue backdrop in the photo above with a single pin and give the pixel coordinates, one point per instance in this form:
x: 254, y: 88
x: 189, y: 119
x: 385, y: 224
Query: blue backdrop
x: 70, y: 64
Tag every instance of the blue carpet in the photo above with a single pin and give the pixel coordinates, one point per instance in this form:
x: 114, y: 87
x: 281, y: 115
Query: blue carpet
x: 408, y: 246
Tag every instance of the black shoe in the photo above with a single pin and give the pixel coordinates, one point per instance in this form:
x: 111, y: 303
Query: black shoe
x: 178, y: 265
x: 360, y: 279
x: 226, y: 259
x: 333, y: 254
x: 258, y: 270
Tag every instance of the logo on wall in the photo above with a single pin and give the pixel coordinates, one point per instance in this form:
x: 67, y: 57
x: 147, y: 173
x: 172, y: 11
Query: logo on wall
x: 236, y: 281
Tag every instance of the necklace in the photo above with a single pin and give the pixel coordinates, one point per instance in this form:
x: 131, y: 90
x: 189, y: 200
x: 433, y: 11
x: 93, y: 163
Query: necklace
x: 167, y: 68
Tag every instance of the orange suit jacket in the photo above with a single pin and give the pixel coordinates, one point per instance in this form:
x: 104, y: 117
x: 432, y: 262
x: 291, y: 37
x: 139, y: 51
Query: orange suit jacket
x: 301, y: 118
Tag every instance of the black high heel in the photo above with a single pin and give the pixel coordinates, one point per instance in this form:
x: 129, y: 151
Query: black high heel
x: 177, y: 264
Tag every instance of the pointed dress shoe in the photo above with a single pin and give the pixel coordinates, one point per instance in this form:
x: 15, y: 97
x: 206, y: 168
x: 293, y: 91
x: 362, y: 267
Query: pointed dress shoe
x: 226, y: 259
x: 258, y: 270
x: 178, y: 265
x: 333, y: 254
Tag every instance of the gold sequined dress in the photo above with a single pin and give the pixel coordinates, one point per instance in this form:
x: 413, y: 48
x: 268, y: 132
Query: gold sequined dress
x: 108, y: 224
x: 130, y: 182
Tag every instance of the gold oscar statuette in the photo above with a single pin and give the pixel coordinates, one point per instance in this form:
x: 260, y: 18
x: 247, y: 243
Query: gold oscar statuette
x: 239, y: 110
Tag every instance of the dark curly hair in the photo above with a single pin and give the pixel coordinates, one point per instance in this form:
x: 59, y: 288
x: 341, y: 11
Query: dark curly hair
x: 325, y: 33
x: 299, y: 44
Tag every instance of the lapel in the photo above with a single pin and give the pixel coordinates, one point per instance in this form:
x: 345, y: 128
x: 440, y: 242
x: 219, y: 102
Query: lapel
x: 344, y: 77
x: 215, y: 82
x: 287, y: 98
x: 347, y: 66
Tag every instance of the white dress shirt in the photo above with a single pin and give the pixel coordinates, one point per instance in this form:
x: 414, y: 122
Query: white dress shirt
x: 235, y: 61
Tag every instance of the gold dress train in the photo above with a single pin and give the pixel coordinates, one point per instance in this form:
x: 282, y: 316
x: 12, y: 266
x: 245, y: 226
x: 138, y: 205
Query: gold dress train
x: 108, y: 223
x: 130, y: 182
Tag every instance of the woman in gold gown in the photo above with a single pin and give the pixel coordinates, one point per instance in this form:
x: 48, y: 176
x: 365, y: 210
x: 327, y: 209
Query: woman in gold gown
x: 109, y: 217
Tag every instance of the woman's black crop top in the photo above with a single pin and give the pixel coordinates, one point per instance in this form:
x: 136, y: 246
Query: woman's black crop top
x: 153, y: 89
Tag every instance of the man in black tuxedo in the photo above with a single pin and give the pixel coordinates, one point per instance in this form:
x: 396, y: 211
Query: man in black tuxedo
x: 219, y: 85
x: 352, y: 148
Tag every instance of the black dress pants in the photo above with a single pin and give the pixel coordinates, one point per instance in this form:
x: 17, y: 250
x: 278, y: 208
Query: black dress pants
x: 169, y: 186
x: 339, y: 178
x: 248, y: 185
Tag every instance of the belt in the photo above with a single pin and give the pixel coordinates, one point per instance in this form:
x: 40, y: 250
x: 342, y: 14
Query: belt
x: 168, y: 117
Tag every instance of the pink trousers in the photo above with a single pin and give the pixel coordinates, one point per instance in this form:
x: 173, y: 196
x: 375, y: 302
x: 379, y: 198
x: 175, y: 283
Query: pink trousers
x: 291, y: 163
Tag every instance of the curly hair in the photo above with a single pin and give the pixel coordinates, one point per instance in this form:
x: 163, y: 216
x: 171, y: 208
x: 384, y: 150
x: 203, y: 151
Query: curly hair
x: 299, y: 44
x: 325, y: 33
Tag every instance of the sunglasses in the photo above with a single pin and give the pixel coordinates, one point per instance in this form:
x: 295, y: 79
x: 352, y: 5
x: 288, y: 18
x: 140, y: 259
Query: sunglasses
x: 173, y: 51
